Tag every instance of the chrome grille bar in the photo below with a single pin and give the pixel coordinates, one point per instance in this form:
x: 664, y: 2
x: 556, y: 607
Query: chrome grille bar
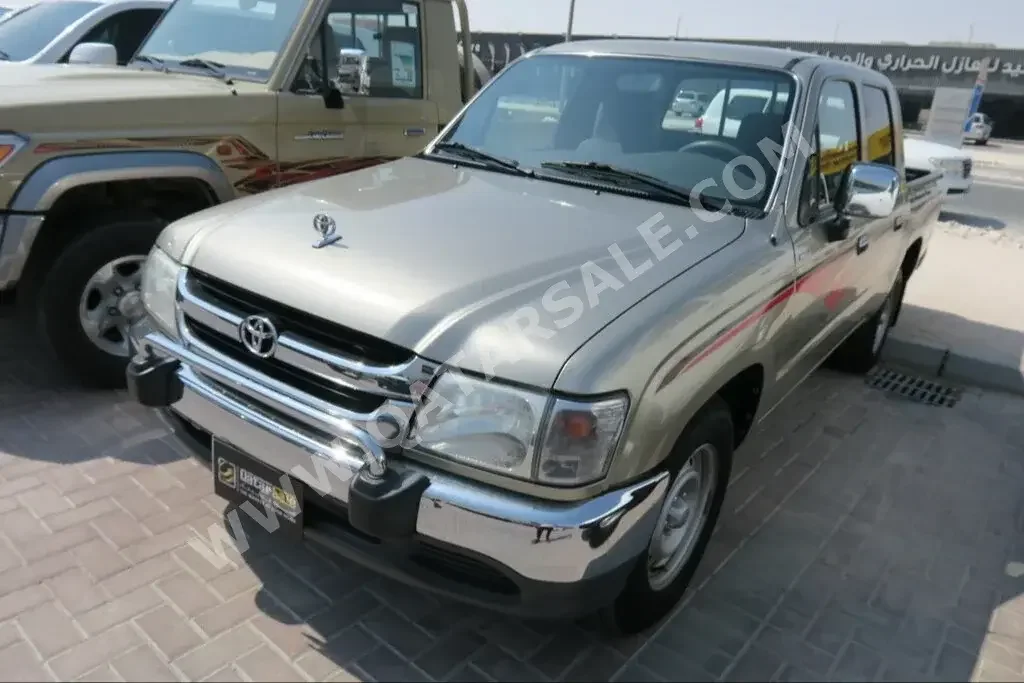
x: 200, y: 313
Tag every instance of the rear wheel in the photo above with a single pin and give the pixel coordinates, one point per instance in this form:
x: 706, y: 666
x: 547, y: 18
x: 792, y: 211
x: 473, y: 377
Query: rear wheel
x: 90, y: 296
x: 699, y: 464
x: 861, y: 350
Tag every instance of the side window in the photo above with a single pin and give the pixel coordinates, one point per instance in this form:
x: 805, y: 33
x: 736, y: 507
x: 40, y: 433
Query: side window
x: 379, y: 38
x: 834, y: 147
x: 812, y: 191
x: 878, y: 124
x: 125, y: 31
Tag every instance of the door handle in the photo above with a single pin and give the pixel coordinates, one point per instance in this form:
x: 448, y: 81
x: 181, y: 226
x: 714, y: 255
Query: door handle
x: 862, y: 244
x: 899, y: 223
x: 414, y: 132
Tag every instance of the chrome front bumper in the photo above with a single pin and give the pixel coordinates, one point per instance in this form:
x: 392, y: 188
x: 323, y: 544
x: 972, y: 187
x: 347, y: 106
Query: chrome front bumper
x: 533, y: 540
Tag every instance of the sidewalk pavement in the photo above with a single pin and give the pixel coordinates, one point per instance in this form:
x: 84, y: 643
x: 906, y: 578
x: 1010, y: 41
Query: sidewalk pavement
x: 963, y: 313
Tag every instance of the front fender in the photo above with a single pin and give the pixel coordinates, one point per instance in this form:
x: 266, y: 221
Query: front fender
x: 41, y: 188
x: 46, y: 184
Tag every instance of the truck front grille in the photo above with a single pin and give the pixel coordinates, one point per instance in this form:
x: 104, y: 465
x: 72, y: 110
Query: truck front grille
x: 345, y: 341
x: 318, y: 359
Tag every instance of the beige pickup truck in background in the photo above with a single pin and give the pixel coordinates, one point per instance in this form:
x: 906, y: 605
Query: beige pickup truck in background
x: 516, y: 368
x: 224, y: 98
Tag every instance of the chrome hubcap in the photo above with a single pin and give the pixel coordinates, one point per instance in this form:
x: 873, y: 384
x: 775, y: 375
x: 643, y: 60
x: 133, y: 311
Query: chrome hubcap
x: 682, y: 519
x: 111, y: 302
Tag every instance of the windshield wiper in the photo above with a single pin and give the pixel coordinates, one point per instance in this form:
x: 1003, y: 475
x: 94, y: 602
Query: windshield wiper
x: 4, y: 56
x: 155, y: 61
x: 599, y: 171
x: 460, y: 149
x: 216, y: 68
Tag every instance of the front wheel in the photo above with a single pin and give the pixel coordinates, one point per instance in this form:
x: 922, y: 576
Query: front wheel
x: 700, y: 465
x: 91, y: 295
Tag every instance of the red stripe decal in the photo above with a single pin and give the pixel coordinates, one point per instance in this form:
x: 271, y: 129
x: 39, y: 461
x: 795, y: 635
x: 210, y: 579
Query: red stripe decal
x: 731, y: 334
x: 821, y: 282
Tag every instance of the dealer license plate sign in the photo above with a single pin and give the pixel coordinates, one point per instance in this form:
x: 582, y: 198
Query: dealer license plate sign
x: 275, y: 497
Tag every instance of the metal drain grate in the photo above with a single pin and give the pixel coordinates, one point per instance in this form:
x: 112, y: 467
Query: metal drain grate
x: 917, y: 389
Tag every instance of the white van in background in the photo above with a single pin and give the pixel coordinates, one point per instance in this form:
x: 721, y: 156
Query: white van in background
x: 979, y: 129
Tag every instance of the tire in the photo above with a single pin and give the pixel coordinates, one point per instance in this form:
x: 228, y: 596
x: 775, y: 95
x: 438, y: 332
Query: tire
x: 981, y: 142
x: 642, y: 603
x: 61, y: 294
x: 862, y: 349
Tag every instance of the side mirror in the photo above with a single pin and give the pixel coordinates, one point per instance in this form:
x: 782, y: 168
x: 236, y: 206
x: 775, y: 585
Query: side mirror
x: 353, y: 71
x: 868, y: 191
x: 101, y: 54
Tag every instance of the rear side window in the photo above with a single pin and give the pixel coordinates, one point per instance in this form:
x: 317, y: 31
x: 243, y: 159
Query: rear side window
x: 878, y: 126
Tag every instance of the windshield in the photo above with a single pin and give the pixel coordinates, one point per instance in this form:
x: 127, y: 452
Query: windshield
x: 25, y: 33
x: 618, y: 111
x: 244, y: 36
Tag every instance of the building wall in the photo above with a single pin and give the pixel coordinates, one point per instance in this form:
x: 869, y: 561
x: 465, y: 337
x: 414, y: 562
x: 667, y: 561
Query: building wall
x: 915, y: 70
x: 911, y: 67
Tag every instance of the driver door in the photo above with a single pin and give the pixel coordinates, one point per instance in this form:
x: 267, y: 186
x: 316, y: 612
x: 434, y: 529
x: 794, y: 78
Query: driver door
x: 387, y: 118
x: 830, y: 275
x: 314, y: 139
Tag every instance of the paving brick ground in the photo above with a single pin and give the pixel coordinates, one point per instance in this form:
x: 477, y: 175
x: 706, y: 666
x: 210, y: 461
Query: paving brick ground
x: 863, y: 538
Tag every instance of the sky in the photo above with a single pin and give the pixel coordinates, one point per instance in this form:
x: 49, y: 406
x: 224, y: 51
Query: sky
x: 871, y: 21
x: 908, y: 21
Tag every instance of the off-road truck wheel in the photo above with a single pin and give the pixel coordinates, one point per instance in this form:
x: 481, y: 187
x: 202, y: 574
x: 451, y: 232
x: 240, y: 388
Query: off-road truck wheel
x: 862, y: 349
x: 699, y: 465
x: 90, y: 295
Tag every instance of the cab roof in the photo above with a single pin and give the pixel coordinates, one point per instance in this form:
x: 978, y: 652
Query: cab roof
x: 772, y: 57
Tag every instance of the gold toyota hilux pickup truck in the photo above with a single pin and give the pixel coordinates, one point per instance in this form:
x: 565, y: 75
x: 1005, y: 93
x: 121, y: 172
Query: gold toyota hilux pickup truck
x: 516, y: 368
x: 223, y: 99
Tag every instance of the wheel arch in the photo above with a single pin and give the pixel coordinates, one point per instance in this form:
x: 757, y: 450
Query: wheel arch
x: 167, y: 184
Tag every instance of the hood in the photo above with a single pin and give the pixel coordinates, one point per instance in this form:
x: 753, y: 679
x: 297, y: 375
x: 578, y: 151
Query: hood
x: 60, y: 83
x: 44, y: 97
x: 491, y: 272
x: 916, y: 148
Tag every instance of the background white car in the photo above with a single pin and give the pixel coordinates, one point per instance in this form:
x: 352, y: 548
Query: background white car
x: 742, y: 101
x: 956, y: 164
x: 45, y: 32
x: 979, y: 129
x: 687, y: 103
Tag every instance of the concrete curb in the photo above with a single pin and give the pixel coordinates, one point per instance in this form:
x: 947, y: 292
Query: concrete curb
x: 944, y: 363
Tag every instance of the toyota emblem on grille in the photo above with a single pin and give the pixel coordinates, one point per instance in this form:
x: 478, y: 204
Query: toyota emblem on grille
x: 258, y: 335
x: 327, y: 228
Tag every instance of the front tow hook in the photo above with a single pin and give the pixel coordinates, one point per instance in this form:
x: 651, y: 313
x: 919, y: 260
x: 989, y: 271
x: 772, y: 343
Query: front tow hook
x: 388, y: 505
x: 154, y: 381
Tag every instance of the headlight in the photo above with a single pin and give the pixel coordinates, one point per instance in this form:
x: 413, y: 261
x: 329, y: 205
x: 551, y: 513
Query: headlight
x: 159, y: 287
x: 10, y: 144
x: 499, y: 428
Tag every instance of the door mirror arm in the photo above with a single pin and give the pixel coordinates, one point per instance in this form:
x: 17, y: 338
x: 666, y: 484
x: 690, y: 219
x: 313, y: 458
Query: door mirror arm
x: 837, y: 228
x: 332, y: 96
